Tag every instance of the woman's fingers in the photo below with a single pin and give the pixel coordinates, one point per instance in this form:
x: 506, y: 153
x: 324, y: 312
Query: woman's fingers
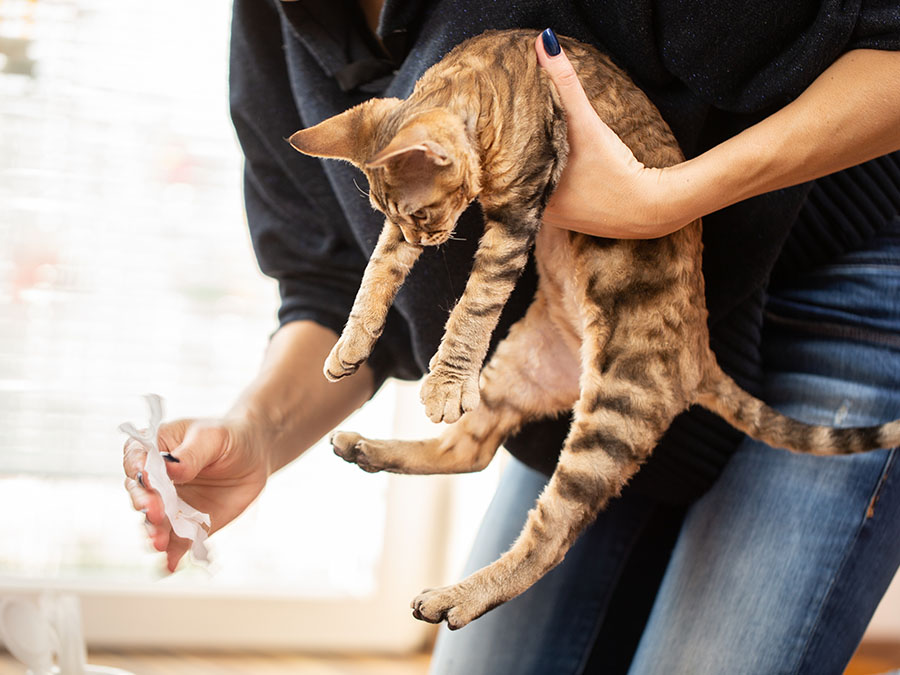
x: 159, y: 534
x: 188, y: 448
x: 143, y: 500
x: 133, y: 460
x: 603, y: 190
x: 155, y: 521
x: 564, y: 78
x: 137, y: 483
x: 149, y: 503
x: 175, y: 550
x: 200, y: 447
x: 143, y: 497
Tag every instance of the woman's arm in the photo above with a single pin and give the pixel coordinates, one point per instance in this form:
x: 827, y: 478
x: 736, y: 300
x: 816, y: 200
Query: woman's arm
x: 848, y: 115
x: 291, y: 400
x: 221, y: 465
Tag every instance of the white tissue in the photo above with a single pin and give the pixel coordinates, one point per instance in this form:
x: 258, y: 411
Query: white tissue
x: 187, y: 522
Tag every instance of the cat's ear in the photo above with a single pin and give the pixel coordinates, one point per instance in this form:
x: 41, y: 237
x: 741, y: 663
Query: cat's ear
x: 347, y: 135
x: 414, y: 137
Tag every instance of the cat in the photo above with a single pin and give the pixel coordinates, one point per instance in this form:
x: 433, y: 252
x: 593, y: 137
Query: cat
x: 617, y: 331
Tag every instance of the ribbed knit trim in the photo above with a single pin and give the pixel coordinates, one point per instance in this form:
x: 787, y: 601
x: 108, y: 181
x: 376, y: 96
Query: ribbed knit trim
x: 842, y: 212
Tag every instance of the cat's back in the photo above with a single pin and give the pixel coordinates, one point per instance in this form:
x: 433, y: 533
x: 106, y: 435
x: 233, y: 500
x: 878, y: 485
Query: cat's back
x: 505, y: 54
x: 497, y: 66
x: 499, y: 70
x: 508, y: 56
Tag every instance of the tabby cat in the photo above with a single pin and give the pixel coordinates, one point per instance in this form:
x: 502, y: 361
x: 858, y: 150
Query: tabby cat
x: 617, y: 330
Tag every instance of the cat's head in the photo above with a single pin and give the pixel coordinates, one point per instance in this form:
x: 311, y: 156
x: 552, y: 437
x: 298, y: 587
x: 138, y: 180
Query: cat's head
x: 422, y: 168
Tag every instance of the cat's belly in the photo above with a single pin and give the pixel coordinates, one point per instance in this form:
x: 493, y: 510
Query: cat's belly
x: 556, y: 266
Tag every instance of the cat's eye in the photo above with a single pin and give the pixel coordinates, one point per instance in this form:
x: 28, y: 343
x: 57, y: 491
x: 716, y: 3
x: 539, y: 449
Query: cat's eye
x: 421, y: 214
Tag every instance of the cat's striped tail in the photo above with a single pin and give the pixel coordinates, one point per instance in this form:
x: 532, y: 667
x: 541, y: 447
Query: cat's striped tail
x: 720, y: 394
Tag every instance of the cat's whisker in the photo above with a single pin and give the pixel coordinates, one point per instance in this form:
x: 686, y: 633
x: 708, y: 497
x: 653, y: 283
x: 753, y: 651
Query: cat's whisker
x: 447, y: 267
x: 364, y: 193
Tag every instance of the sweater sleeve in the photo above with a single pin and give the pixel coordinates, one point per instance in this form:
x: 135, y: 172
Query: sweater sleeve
x: 299, y: 232
x: 877, y: 26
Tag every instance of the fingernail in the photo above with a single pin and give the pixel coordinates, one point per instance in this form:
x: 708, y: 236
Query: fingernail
x: 551, y: 43
x: 140, y: 479
x: 169, y: 457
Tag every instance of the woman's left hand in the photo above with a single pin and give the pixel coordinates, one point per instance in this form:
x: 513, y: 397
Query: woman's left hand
x: 603, y: 191
x: 848, y: 115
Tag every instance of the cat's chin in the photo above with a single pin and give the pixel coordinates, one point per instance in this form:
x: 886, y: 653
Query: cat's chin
x: 435, y: 239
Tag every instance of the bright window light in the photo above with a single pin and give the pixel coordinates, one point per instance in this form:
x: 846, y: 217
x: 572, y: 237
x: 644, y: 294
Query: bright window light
x: 125, y: 268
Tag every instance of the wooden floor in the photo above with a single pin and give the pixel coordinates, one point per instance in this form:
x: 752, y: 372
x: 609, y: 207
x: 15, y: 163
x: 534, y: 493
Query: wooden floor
x: 870, y: 660
x: 875, y: 659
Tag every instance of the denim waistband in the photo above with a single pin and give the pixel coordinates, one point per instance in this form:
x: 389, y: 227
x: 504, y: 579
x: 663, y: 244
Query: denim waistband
x: 882, y: 249
x: 856, y: 297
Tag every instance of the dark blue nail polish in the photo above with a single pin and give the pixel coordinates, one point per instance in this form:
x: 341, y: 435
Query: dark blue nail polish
x: 169, y: 457
x: 140, y: 479
x: 551, y: 43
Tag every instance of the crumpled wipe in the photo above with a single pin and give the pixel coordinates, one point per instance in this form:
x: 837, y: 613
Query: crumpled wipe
x: 187, y: 522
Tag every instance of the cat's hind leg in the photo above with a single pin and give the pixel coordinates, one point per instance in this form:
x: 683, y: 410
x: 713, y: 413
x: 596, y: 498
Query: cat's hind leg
x: 618, y: 421
x: 533, y: 374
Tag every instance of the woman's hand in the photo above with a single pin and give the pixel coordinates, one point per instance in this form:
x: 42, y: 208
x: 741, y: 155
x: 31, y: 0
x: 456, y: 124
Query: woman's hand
x: 224, y: 464
x: 220, y: 470
x: 848, y: 115
x: 604, y: 191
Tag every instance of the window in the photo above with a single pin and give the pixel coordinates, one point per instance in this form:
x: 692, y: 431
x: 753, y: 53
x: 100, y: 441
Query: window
x: 125, y: 267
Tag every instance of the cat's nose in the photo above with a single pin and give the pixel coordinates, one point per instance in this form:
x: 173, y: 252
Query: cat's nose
x: 411, y: 236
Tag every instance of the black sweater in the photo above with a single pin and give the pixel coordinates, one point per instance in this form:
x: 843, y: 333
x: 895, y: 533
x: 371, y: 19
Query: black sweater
x: 713, y: 68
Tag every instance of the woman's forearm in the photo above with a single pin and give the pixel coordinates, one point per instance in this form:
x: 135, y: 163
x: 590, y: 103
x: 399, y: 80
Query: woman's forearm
x: 290, y: 402
x: 850, y: 114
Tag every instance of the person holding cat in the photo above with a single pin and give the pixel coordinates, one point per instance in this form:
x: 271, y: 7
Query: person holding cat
x: 722, y: 556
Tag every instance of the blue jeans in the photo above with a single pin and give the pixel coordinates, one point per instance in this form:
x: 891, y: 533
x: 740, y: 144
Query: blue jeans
x: 779, y: 567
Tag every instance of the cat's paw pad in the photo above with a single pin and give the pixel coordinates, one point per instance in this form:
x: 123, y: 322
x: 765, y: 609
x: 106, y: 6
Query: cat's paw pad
x: 448, y: 604
x: 351, y: 447
x: 347, y: 356
x: 448, y: 395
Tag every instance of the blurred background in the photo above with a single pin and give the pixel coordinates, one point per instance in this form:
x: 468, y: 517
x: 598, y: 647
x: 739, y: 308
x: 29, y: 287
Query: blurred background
x: 126, y: 268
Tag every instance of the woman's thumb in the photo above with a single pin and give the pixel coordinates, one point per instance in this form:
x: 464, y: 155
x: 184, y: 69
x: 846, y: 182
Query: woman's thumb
x: 202, y: 445
x: 557, y: 65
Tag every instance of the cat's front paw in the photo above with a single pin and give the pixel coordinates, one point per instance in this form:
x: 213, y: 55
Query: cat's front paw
x: 347, y: 355
x: 447, y: 395
x: 352, y: 447
x: 452, y: 604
